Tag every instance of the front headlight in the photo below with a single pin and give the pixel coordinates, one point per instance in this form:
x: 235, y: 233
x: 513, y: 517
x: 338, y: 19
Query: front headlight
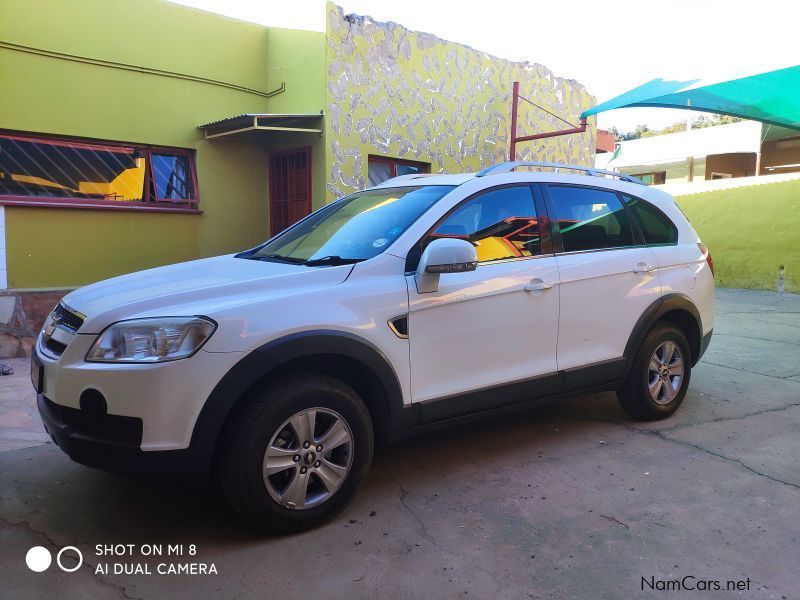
x: 151, y: 340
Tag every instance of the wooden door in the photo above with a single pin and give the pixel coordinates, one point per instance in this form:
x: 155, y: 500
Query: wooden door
x: 289, y: 187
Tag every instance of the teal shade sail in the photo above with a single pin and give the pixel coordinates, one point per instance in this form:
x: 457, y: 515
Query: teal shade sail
x: 772, y: 97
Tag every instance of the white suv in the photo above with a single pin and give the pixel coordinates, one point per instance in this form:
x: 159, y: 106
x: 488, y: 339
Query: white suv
x: 425, y: 301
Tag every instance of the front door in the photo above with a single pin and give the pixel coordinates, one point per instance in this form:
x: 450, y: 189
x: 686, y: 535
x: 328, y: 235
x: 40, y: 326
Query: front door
x: 289, y: 188
x: 492, y: 326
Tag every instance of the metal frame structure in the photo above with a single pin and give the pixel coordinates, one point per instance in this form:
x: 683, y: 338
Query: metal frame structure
x: 515, y: 98
x: 507, y: 167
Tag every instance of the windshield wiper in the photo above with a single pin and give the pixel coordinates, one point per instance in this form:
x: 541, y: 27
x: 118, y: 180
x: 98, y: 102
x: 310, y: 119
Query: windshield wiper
x: 333, y: 260
x: 279, y: 258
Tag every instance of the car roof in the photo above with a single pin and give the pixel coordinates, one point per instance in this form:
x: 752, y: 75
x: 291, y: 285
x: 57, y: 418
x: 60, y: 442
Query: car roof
x: 600, y: 179
x: 506, y: 168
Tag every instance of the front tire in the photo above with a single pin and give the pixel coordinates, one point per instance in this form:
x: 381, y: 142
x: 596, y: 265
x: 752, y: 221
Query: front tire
x: 659, y: 375
x: 294, y: 453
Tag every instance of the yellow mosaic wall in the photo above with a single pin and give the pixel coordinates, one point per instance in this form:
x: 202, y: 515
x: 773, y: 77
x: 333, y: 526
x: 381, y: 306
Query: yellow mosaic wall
x: 395, y: 92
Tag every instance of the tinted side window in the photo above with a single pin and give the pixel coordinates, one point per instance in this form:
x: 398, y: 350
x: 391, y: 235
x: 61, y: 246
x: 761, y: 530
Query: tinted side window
x: 501, y: 223
x: 656, y: 227
x: 589, y: 218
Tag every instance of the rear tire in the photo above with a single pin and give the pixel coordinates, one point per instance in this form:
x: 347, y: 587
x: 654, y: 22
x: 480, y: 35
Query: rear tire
x: 293, y: 454
x: 659, y: 375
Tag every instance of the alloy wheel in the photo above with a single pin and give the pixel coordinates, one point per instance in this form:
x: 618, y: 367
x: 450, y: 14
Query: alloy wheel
x: 308, y: 458
x: 665, y: 372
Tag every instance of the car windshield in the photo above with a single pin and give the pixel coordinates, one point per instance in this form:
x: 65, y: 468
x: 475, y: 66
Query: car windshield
x: 352, y: 229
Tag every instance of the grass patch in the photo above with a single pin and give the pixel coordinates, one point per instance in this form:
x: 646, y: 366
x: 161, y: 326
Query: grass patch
x: 750, y: 231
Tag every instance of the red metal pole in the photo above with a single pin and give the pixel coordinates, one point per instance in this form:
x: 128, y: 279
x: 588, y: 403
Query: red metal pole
x: 514, y: 104
x: 549, y: 134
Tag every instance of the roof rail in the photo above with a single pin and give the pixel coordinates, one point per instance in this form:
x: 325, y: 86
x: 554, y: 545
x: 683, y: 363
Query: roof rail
x: 507, y: 167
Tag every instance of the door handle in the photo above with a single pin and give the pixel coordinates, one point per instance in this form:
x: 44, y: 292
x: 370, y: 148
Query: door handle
x: 537, y: 285
x: 643, y: 268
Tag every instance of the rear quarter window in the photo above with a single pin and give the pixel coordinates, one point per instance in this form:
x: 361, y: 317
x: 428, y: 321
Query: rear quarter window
x: 656, y: 227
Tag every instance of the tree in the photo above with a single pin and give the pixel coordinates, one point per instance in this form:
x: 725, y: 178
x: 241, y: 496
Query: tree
x: 643, y: 131
x: 637, y: 133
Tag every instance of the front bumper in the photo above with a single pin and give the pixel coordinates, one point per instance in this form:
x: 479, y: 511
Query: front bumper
x: 111, y: 443
x: 136, y: 418
x: 166, y: 398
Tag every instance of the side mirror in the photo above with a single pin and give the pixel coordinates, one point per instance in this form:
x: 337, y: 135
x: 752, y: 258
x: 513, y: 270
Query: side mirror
x: 445, y: 255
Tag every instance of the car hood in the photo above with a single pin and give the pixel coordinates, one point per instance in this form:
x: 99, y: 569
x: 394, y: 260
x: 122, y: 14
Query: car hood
x: 198, y: 287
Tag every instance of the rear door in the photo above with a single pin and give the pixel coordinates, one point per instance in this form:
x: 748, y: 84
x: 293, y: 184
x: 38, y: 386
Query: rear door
x: 678, y: 266
x: 607, y: 280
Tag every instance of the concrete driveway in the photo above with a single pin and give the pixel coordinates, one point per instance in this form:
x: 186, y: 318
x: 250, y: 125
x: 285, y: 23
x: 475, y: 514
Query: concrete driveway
x: 570, y: 501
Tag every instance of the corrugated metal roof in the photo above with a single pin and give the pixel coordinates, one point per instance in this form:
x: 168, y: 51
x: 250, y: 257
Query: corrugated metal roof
x: 275, y: 119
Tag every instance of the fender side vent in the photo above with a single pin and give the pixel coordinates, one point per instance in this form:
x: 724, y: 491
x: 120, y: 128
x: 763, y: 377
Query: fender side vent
x: 399, y: 326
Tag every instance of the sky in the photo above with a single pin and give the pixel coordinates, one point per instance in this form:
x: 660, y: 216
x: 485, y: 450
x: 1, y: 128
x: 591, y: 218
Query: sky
x: 609, y: 46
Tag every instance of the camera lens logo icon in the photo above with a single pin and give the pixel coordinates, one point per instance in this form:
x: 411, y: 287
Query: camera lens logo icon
x: 39, y: 559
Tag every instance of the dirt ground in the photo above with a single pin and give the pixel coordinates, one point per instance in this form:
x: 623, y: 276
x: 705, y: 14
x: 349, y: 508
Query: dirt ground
x: 569, y: 501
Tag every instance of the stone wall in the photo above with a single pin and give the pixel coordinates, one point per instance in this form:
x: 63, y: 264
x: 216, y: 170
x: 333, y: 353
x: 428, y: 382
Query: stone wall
x: 22, y: 315
x: 406, y: 94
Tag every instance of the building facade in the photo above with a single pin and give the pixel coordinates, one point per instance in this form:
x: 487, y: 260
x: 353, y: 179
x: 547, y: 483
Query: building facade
x: 137, y: 134
x: 734, y: 150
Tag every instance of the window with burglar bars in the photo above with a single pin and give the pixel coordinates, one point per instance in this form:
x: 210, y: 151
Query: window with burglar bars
x: 289, y: 188
x: 68, y: 172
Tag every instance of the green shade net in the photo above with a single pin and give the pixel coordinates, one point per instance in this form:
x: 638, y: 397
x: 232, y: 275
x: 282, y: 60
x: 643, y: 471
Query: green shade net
x: 772, y: 97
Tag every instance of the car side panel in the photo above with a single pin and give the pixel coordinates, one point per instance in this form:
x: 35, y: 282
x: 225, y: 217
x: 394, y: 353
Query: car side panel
x: 362, y: 305
x: 683, y: 269
x: 482, y: 328
x: 601, y: 301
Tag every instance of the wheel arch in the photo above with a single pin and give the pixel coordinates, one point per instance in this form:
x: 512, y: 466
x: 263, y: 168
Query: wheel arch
x: 339, y: 354
x: 677, y: 309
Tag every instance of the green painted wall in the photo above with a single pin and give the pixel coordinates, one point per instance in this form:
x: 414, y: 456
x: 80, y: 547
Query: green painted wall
x: 150, y: 33
x: 70, y: 247
x: 62, y: 248
x: 750, y: 232
x: 297, y: 58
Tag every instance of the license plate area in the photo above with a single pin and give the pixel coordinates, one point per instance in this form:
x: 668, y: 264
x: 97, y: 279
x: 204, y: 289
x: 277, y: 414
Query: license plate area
x: 37, y: 374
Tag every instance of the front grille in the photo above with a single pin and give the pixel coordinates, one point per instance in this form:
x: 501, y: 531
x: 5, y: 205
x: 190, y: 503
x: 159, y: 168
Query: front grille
x: 54, y: 346
x: 67, y: 317
x: 116, y: 429
x: 64, y: 319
